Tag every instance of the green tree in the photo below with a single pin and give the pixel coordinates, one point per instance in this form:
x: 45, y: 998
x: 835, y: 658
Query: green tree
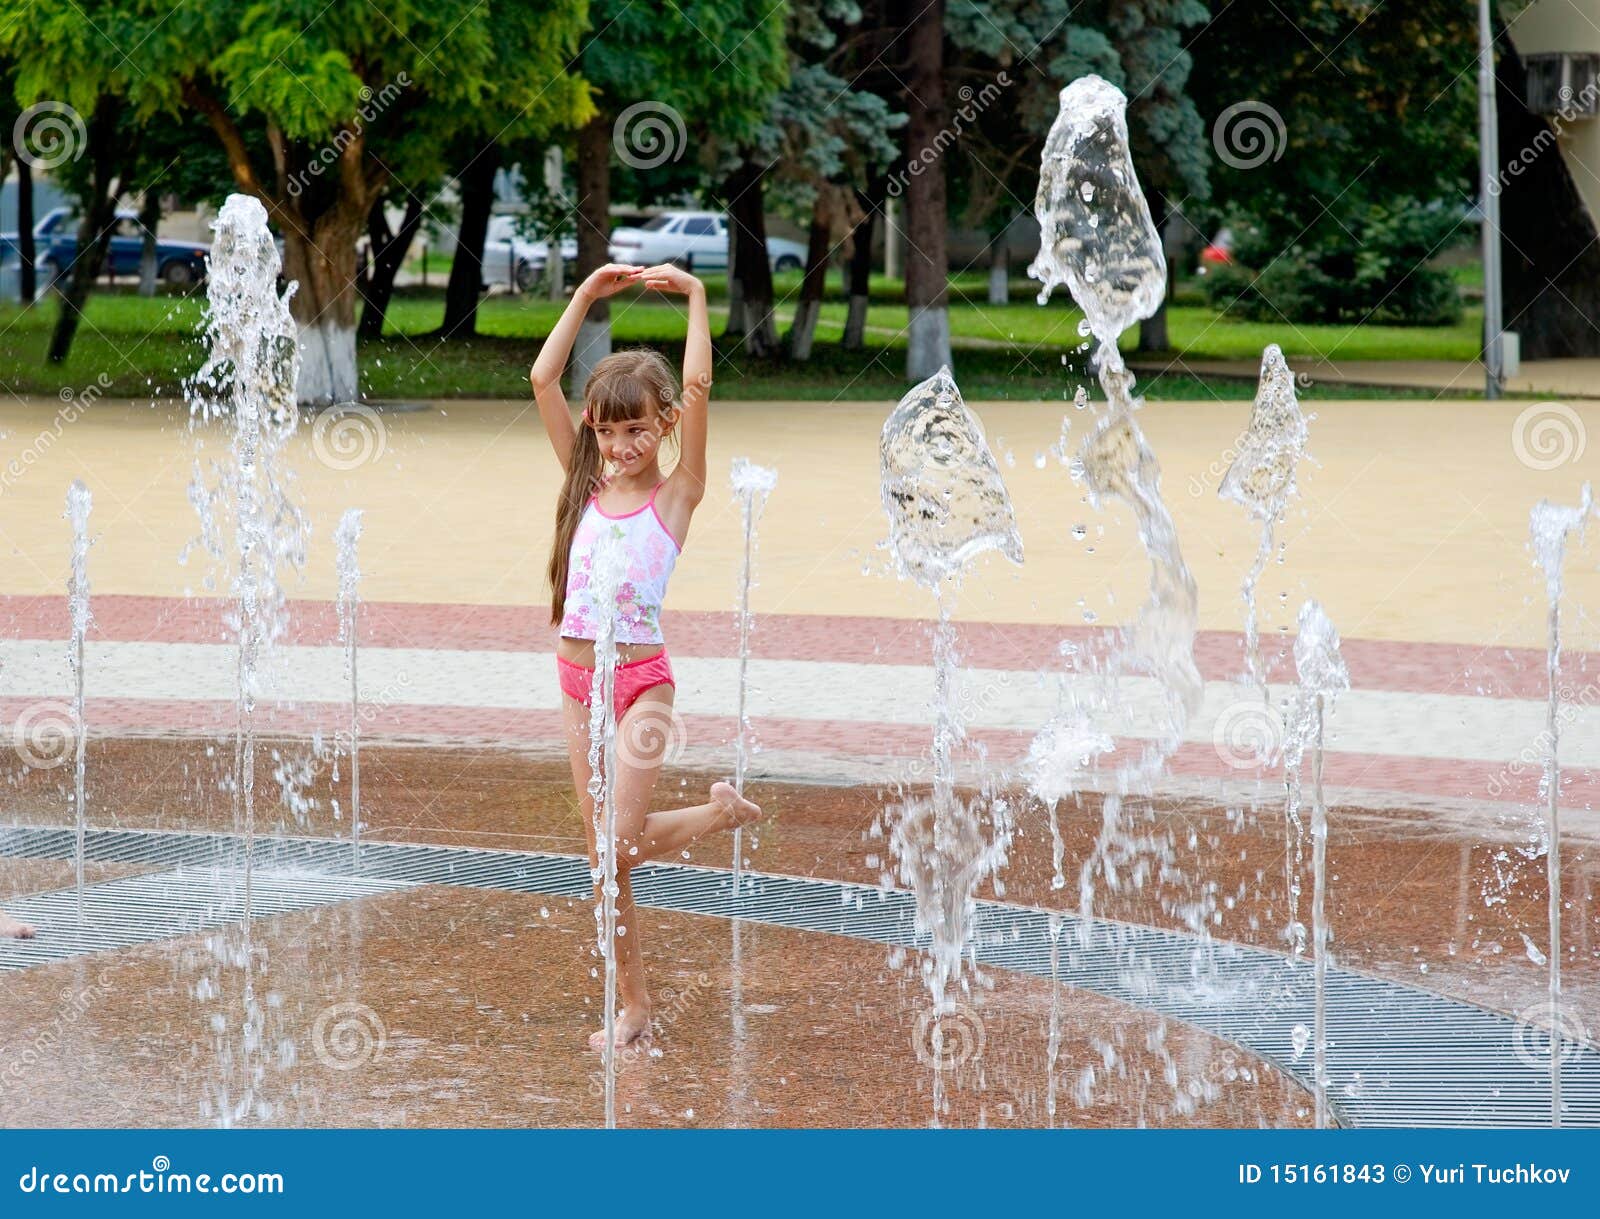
x: 698, y: 73
x: 1326, y: 117
x: 350, y: 97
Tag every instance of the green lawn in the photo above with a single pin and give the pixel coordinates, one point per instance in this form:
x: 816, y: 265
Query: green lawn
x: 144, y: 346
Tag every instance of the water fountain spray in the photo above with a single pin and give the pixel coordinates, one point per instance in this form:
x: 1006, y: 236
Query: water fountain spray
x: 608, y: 567
x: 1549, y: 527
x: 1262, y: 480
x: 751, y: 486
x: 946, y: 505
x: 79, y: 503
x: 1322, y: 675
x: 1098, y: 239
x: 248, y: 383
x: 345, y: 539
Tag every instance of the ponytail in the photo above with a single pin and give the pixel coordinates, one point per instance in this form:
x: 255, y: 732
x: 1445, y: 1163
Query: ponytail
x: 582, y: 471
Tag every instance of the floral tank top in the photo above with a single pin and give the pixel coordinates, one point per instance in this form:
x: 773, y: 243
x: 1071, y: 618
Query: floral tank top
x: 652, y: 553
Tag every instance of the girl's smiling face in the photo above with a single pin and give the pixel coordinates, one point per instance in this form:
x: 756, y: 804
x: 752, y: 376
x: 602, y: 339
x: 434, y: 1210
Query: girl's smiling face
x: 630, y: 445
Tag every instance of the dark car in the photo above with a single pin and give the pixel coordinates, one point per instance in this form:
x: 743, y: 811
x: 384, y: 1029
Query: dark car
x: 55, y: 238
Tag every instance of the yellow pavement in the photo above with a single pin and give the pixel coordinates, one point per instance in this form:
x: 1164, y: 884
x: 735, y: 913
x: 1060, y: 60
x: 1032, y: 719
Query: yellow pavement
x: 1412, y: 525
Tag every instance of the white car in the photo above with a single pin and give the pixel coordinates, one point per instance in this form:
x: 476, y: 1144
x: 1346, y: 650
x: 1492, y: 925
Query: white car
x: 698, y: 240
x: 507, y: 255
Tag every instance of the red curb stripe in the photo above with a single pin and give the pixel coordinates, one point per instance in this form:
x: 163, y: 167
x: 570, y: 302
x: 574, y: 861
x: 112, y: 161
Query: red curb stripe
x: 1421, y: 668
x: 1501, y: 782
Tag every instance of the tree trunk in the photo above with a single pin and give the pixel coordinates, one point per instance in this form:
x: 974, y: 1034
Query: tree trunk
x: 324, y: 305
x: 804, y: 328
x: 1153, y: 329
x: 859, y: 269
x: 389, y: 252
x: 927, y: 264
x: 1000, y: 267
x: 99, y: 209
x: 461, y: 294
x: 27, y: 252
x: 754, y: 273
x: 593, y: 343
x: 149, y: 221
x: 1549, y: 256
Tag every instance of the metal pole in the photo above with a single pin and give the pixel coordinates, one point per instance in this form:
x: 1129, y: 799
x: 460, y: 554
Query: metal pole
x: 1489, y: 201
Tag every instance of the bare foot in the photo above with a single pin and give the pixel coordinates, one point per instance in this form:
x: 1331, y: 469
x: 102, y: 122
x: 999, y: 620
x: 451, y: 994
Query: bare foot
x: 633, y: 1024
x: 10, y: 927
x: 739, y: 810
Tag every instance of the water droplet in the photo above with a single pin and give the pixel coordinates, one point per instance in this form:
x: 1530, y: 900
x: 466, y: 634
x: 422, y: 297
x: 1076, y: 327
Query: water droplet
x: 1300, y: 1038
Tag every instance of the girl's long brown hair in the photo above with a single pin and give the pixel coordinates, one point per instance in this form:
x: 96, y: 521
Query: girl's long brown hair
x: 625, y: 385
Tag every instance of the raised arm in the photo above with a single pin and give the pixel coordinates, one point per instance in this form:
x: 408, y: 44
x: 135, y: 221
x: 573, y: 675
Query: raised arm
x: 545, y: 376
x: 692, y: 426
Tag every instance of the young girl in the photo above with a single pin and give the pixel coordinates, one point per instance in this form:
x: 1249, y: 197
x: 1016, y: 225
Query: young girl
x: 614, y: 484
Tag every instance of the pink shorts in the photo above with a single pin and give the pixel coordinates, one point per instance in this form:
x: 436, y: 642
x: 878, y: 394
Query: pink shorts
x: 633, y: 678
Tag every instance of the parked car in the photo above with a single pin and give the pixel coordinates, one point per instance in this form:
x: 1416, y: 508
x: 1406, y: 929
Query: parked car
x: 55, y: 240
x: 694, y: 239
x: 507, y: 255
x: 1219, y: 253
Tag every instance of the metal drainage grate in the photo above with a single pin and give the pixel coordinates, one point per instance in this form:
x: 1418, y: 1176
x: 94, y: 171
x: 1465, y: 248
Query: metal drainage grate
x: 1398, y: 1056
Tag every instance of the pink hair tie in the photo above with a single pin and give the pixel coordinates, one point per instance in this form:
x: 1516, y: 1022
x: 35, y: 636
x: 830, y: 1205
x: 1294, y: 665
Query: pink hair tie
x: 586, y: 416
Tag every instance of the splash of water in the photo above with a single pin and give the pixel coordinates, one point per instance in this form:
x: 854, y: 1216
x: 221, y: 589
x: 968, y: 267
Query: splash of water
x: 1098, y: 239
x: 1322, y: 675
x: 1262, y: 479
x: 79, y: 504
x: 346, y: 537
x: 941, y: 486
x: 946, y: 504
x: 247, y: 383
x: 1549, y: 527
x: 608, y: 568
